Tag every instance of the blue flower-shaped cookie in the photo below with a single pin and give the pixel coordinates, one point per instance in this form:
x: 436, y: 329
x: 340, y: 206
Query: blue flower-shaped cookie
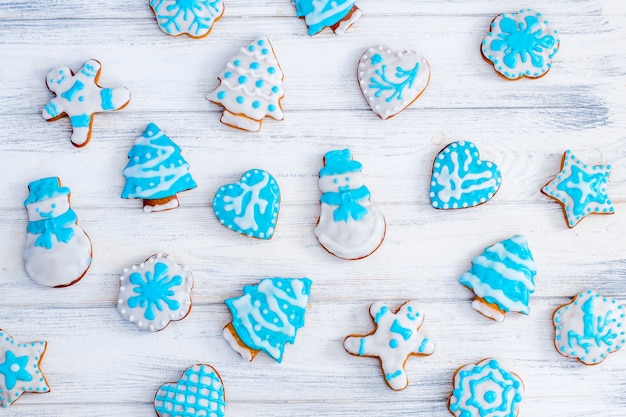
x: 461, y: 179
x: 250, y: 206
x: 520, y: 44
x: 194, y: 18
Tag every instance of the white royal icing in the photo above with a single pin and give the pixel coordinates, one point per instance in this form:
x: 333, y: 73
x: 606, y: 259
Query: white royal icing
x: 390, y: 80
x: 251, y: 87
x: 79, y: 96
x: 396, y: 337
x: 155, y: 292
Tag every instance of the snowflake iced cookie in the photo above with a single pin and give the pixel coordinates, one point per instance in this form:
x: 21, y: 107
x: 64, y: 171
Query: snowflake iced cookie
x: 155, y: 292
x: 391, y: 81
x: 338, y: 15
x: 485, y: 389
x: 57, y: 252
x: 156, y: 171
x: 461, y: 179
x: 199, y: 392
x: 20, y: 368
x: 250, y: 206
x: 79, y: 96
x: 520, y: 45
x: 350, y: 225
x: 251, y: 87
x: 502, y: 278
x: 589, y: 328
x: 267, y: 316
x: 580, y: 188
x: 194, y: 18
x: 396, y: 336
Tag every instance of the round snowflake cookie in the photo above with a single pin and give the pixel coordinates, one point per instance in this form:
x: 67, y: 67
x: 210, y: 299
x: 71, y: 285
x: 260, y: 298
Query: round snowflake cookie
x: 520, y: 44
x: 155, y: 292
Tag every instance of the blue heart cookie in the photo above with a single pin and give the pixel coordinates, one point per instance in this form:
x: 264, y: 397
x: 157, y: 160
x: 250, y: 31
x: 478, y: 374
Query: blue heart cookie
x: 461, y: 179
x: 250, y: 206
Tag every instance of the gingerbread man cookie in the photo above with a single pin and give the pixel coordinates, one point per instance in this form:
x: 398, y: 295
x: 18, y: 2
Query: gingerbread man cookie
x: 79, y: 96
x: 396, y: 337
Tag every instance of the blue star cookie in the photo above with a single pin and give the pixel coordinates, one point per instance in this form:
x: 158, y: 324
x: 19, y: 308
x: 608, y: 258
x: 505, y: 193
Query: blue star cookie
x: 580, y: 188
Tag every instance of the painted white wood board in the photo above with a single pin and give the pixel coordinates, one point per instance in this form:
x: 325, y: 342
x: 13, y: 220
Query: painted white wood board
x: 98, y: 364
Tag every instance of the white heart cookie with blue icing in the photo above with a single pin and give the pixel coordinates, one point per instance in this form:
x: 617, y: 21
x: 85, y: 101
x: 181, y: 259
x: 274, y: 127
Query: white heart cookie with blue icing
x: 200, y: 392
x: 390, y: 80
x: 520, y: 44
x: 461, y: 179
x: 249, y: 206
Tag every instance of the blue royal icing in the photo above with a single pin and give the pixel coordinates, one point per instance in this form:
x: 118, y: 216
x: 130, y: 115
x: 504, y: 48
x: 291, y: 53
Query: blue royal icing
x: 521, y: 44
x: 200, y: 392
x: 268, y: 315
x: 461, y: 179
x: 590, y: 327
x: 59, y: 227
x: 194, y: 18
x: 19, y: 367
x: 486, y: 390
x: 251, y: 205
x: 580, y: 188
x: 319, y: 15
x: 503, y: 275
x: 156, y: 168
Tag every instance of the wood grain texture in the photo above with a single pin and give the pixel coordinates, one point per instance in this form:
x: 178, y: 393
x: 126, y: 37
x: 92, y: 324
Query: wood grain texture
x: 99, y: 364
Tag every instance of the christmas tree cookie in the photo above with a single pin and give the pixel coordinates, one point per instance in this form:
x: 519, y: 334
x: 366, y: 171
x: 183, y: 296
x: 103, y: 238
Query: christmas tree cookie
x: 350, y: 226
x: 156, y: 171
x: 20, y: 370
x: 338, y: 15
x: 267, y: 316
x: 57, y: 252
x: 79, y: 96
x: 194, y: 18
x: 502, y: 278
x: 251, y: 87
x: 396, y: 337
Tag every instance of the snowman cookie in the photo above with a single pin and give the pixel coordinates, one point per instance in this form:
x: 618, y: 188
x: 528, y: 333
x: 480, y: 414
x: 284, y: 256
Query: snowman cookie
x: 57, y: 252
x: 79, y: 96
x: 350, y: 226
x: 391, y: 81
x: 338, y: 15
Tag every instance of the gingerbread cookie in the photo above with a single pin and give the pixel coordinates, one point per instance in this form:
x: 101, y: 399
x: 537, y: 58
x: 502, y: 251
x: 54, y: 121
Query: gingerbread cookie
x: 396, y: 336
x: 155, y: 292
x: 486, y: 389
x: 20, y: 368
x: 350, y: 225
x: 194, y: 18
x: 589, y: 328
x: 338, y: 15
x: 57, y: 252
x: 250, y: 206
x: 267, y: 316
x: 251, y: 87
x: 391, y: 81
x: 520, y: 44
x: 580, y: 188
x: 79, y: 96
x: 461, y: 179
x: 156, y: 171
x: 502, y: 278
x: 199, y: 392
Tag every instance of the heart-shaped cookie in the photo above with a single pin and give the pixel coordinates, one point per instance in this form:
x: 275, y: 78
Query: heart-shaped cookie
x: 461, y: 179
x: 391, y: 81
x: 199, y: 392
x: 250, y: 206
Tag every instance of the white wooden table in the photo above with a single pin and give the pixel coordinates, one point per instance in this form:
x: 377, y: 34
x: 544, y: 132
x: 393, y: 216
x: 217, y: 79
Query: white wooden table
x: 98, y: 364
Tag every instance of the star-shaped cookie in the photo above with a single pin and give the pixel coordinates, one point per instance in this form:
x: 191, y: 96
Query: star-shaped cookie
x: 394, y: 339
x: 580, y: 188
x: 19, y: 368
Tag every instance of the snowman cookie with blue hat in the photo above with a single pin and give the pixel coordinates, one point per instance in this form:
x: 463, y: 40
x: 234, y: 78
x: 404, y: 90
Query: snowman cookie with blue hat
x: 57, y: 252
x: 350, y: 225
